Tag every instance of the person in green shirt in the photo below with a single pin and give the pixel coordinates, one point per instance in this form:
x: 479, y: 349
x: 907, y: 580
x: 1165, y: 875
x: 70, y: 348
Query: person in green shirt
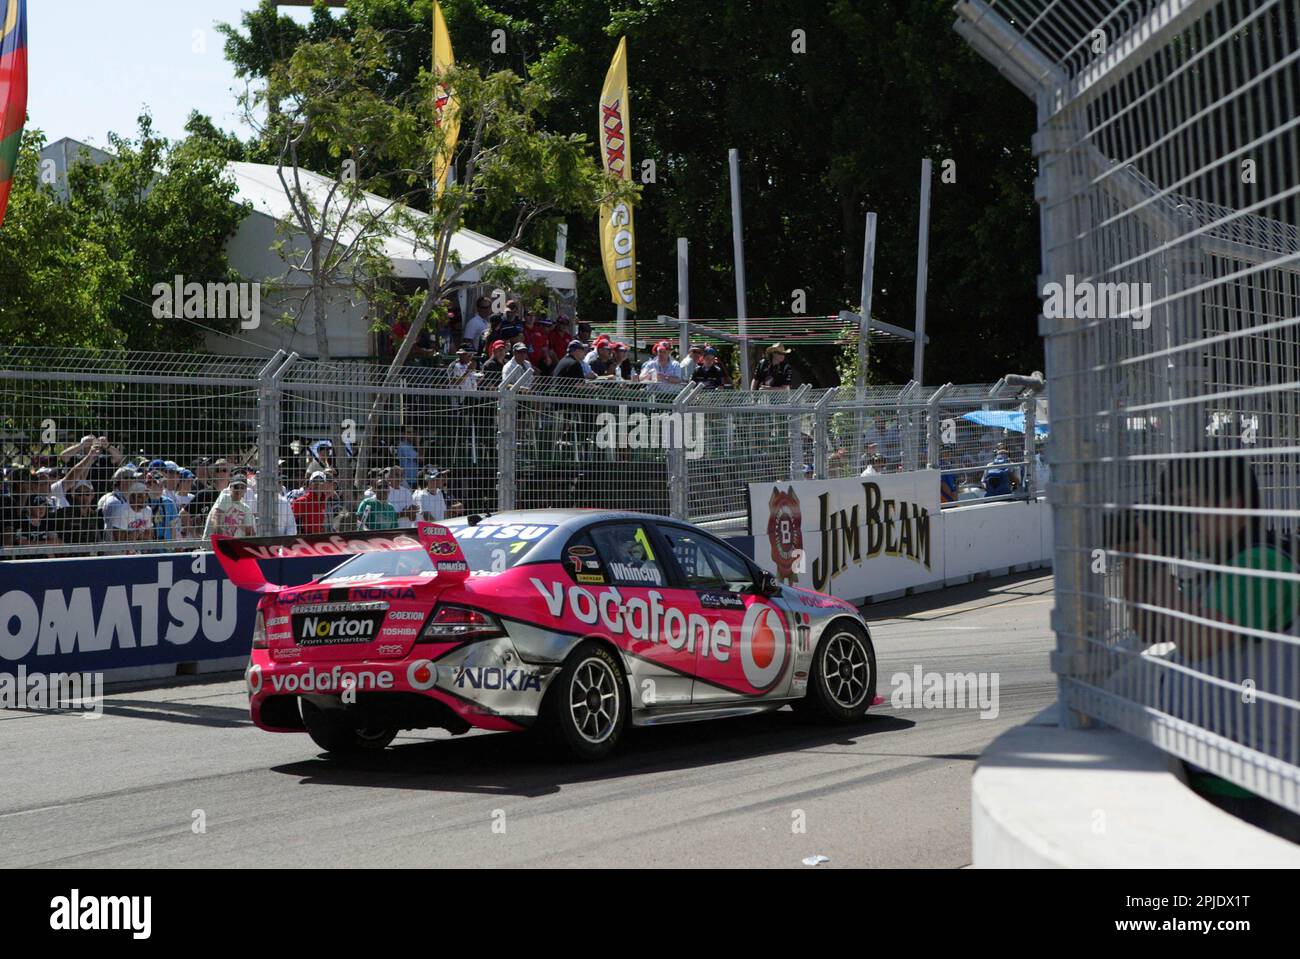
x: 1244, y: 586
x: 375, y: 512
x: 1208, y: 511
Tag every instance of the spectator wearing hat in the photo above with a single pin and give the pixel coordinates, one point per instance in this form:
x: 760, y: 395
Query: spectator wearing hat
x: 621, y: 364
x: 518, y: 361
x: 127, y: 516
x: 692, y: 361
x: 433, y: 504
x: 710, y: 374
x: 462, y: 373
x: 230, y: 514
x: 498, y: 355
x: 79, y: 523
x: 124, y: 477
x: 375, y: 512
x: 662, y: 368
x: 33, y: 529
x: 184, y: 487
x: 774, y: 373
x: 163, y: 507
x: 572, y: 367
x: 601, y: 359
x: 311, y: 510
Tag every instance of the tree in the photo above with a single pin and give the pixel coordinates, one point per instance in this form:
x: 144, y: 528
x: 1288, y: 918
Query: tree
x: 60, y: 285
x: 160, y: 209
x: 80, y: 272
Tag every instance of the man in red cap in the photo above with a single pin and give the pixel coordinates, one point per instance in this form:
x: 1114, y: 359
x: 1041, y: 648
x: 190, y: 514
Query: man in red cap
x: 538, y: 341
x: 496, y: 360
x: 663, y: 368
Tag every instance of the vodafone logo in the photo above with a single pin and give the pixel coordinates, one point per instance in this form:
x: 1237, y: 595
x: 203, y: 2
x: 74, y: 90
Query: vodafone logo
x: 421, y: 674
x: 254, y: 678
x: 762, y: 646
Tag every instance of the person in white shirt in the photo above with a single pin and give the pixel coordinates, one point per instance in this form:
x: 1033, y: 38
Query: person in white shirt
x: 463, y: 376
x: 433, y: 504
x: 400, y: 498
x: 692, y: 361
x: 128, y: 518
x: 518, y: 360
x: 479, y: 322
x: 663, y: 368
x: 230, y: 515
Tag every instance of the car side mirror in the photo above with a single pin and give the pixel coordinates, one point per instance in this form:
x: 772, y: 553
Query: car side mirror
x: 767, y: 584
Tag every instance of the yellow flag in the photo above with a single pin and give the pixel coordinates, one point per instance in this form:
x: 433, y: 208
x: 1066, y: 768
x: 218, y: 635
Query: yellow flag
x: 445, y: 112
x: 617, y: 237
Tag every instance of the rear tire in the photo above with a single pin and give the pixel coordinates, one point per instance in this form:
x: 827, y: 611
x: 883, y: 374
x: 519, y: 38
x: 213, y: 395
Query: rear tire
x: 842, y: 681
x: 335, y: 732
x: 586, y: 708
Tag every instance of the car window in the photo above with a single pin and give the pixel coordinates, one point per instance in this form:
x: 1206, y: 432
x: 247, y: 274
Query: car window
x: 628, y: 556
x: 583, y: 562
x: 705, y: 564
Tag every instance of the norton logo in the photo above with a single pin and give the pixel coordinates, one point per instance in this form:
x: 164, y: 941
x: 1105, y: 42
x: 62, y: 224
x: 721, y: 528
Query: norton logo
x: 324, y: 629
x: 762, y: 646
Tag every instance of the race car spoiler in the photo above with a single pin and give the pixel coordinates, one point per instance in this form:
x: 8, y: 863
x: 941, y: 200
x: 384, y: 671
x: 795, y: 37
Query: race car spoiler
x: 240, y: 557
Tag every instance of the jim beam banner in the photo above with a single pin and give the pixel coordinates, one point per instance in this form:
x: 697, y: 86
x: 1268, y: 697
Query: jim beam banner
x: 614, y: 133
x: 850, y: 537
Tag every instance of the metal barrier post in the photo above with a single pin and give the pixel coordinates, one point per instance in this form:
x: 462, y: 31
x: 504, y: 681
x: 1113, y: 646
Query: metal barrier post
x: 796, y: 431
x: 678, y: 479
x: 507, y: 445
x: 934, y: 427
x: 268, y: 442
x: 822, y: 434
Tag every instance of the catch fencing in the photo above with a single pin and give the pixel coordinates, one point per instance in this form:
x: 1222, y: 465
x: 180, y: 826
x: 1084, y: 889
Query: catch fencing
x: 528, y: 442
x: 1167, y: 147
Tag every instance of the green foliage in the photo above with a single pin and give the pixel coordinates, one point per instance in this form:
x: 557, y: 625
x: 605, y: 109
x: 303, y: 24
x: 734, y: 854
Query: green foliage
x: 81, y: 273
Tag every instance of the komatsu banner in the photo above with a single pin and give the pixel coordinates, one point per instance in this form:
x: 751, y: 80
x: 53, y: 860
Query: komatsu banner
x: 78, y: 615
x: 850, y: 537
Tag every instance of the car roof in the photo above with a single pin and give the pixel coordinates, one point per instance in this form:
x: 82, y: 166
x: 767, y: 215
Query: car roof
x: 566, y: 521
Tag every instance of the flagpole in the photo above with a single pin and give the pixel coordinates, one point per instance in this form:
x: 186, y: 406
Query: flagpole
x: 738, y: 247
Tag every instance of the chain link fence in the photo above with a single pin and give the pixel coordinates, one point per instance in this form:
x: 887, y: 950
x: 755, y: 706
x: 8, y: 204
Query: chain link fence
x: 131, y: 453
x: 1167, y: 144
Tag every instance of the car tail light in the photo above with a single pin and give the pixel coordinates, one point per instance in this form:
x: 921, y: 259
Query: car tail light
x: 259, y: 632
x: 450, y: 623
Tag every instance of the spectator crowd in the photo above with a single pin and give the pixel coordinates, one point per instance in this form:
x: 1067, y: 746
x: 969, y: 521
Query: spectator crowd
x: 90, y: 494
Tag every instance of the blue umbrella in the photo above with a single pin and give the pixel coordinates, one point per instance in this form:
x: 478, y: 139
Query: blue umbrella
x: 1013, y: 420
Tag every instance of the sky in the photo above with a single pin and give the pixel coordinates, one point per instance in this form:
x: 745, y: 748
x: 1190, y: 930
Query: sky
x: 95, y: 64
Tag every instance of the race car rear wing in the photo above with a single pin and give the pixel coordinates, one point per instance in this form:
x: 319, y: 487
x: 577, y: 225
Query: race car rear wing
x: 240, y: 557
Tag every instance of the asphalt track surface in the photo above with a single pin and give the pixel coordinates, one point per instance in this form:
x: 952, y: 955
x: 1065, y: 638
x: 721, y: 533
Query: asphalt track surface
x: 131, y: 788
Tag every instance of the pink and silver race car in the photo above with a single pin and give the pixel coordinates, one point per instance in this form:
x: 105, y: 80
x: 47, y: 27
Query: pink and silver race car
x: 568, y: 621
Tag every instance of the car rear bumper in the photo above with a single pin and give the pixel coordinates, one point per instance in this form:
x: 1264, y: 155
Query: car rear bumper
x: 482, y: 684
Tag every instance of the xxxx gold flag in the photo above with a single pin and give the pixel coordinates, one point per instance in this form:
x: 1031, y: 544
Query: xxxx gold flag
x: 617, y: 237
x: 445, y: 112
